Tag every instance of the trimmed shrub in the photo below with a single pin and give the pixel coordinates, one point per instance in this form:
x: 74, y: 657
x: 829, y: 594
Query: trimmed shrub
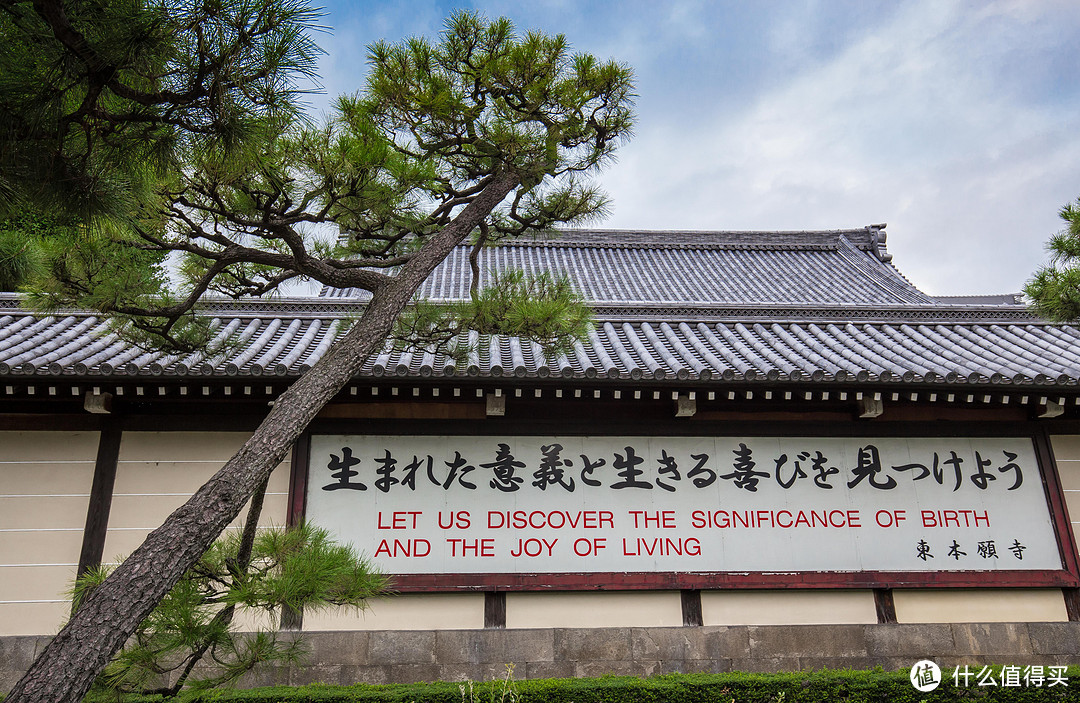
x: 873, y: 686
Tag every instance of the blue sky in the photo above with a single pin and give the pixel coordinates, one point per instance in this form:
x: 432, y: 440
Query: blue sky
x: 957, y: 123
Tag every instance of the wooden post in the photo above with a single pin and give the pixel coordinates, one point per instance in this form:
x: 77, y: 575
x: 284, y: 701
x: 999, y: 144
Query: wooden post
x: 298, y: 471
x: 495, y: 610
x: 886, y: 608
x: 101, y: 491
x: 691, y: 607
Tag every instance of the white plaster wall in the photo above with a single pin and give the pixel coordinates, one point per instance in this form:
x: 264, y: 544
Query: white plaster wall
x: 980, y: 605
x: 788, y: 607
x: 1067, y: 454
x: 591, y: 609
x: 410, y: 611
x: 45, y: 480
x: 158, y: 471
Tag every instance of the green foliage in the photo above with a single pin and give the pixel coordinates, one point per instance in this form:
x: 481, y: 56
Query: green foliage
x: 302, y: 568
x: 1054, y: 290
x: 874, y: 686
x: 544, y: 309
x: 21, y: 257
x: 436, y: 126
x: 99, y: 99
x: 483, y: 99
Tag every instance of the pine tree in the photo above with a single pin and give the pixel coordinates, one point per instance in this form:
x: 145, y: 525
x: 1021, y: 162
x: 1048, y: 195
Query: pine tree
x: 1054, y: 291
x: 483, y: 134
x: 99, y: 99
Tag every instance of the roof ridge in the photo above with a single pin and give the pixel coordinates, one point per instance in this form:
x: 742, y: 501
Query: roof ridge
x: 329, y: 307
x: 868, y: 238
x: 881, y: 263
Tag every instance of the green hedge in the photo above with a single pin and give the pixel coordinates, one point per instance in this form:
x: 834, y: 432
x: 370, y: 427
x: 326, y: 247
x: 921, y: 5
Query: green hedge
x: 875, y: 686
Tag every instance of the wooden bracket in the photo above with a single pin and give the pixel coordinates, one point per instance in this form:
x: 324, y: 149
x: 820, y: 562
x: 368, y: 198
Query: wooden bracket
x: 685, y: 406
x: 870, y: 407
x: 496, y: 405
x: 97, y: 403
x: 1051, y: 409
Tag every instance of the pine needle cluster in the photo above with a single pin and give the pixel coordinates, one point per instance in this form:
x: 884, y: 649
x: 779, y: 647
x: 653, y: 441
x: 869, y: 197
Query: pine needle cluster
x: 1054, y: 291
x: 190, y: 640
x: 21, y: 257
x: 542, y: 308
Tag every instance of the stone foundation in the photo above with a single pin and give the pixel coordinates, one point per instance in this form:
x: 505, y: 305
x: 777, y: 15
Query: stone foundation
x: 409, y: 656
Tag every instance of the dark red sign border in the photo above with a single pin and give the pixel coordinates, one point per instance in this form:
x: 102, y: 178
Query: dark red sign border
x: 1067, y: 577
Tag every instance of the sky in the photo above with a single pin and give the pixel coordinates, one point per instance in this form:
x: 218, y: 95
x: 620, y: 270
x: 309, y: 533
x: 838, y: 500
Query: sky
x: 957, y: 123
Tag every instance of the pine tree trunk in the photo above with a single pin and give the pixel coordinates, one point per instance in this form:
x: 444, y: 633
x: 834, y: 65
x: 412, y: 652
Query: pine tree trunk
x: 237, y: 567
x: 67, y: 667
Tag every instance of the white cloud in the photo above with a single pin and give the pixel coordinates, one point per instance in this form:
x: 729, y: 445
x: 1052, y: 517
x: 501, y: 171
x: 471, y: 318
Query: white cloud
x: 955, y: 122
x: 908, y: 124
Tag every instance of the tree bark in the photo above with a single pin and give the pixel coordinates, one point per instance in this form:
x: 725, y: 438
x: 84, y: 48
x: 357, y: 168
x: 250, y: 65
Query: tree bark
x: 66, y: 668
x: 237, y: 567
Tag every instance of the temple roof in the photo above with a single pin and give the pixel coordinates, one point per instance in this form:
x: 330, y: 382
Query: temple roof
x: 705, y: 307
x: 618, y: 267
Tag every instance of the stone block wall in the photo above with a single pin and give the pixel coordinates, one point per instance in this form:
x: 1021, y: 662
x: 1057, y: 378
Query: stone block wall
x: 402, y: 657
x: 385, y: 656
